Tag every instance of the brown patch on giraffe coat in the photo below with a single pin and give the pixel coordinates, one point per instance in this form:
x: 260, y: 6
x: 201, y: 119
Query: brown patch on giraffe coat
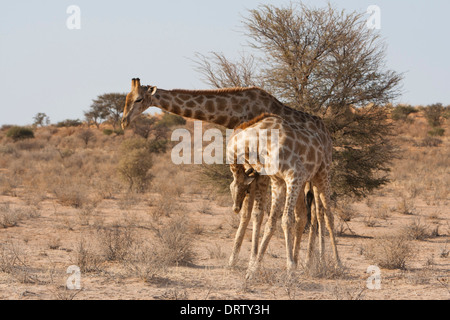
x: 311, y: 156
x: 221, y: 104
x: 251, y: 95
x: 187, y: 113
x: 199, y: 115
x: 237, y: 107
x: 164, y: 102
x: 200, y: 99
x: 221, y: 120
x: 184, y: 97
x: 175, y: 109
x: 210, y: 106
x: 289, y: 143
x: 300, y: 148
x: 191, y: 104
x: 234, y: 121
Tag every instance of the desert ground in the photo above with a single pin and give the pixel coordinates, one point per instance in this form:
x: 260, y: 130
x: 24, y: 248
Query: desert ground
x: 63, y: 203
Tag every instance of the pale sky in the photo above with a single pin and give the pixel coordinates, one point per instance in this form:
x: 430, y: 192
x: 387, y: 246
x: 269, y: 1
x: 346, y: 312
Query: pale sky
x: 46, y: 67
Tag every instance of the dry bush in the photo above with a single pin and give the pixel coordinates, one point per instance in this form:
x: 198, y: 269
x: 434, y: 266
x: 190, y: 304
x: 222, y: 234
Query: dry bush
x: 144, y: 262
x: 390, y: 252
x: 10, y: 217
x: 405, y: 206
x: 115, y: 241
x: 86, y: 257
x: 215, y: 252
x: 416, y: 231
x: 345, y: 211
x: 325, y: 268
x: 13, y: 261
x: 71, y: 194
x: 174, y: 241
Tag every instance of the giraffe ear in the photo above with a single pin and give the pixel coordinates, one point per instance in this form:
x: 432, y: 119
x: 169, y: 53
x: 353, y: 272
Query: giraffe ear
x: 152, y: 90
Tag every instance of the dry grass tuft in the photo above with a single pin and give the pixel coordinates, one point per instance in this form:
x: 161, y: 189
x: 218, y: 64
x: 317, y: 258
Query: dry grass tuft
x: 390, y: 252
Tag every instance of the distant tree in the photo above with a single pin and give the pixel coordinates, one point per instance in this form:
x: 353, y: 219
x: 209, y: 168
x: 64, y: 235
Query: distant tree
x: 402, y: 111
x: 41, y: 119
x: 434, y: 114
x: 86, y: 135
x: 144, y: 126
x: 19, y: 133
x: 328, y: 63
x: 108, y: 106
x: 97, y: 114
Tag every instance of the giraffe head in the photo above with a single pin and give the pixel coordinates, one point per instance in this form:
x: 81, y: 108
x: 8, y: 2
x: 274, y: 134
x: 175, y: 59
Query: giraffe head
x: 242, y: 180
x: 138, y: 100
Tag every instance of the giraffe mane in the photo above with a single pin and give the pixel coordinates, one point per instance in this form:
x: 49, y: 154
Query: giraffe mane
x: 251, y: 122
x: 216, y: 91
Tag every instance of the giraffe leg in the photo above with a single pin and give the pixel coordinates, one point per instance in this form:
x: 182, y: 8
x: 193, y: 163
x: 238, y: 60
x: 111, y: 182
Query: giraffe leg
x: 319, y: 215
x: 312, y: 234
x: 278, y: 194
x: 300, y: 223
x: 258, y: 214
x: 324, y: 191
x: 288, y: 220
x: 245, y: 219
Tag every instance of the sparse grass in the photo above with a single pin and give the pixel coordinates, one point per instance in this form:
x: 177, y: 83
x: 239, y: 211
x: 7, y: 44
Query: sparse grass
x: 174, y: 242
x: 325, y: 268
x: 115, y: 241
x: 390, y: 252
x: 406, y: 206
x: 11, y: 217
x: 87, y: 258
x: 416, y: 231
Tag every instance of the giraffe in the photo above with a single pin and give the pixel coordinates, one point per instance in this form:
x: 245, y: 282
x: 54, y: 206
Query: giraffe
x: 294, y: 169
x: 226, y: 107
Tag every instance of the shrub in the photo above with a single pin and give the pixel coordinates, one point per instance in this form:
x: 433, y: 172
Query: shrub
x: 390, y: 252
x: 416, y: 231
x: 436, y: 131
x: 115, y: 242
x: 108, y: 132
x: 135, y: 162
x: 433, y: 114
x: 86, y: 136
x: 430, y: 142
x: 69, y: 123
x: 401, y: 112
x: 20, y: 133
x: 119, y: 132
x: 175, y: 242
x: 170, y: 120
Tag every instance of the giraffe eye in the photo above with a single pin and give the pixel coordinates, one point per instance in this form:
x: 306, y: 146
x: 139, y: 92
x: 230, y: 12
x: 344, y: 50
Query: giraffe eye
x: 138, y: 100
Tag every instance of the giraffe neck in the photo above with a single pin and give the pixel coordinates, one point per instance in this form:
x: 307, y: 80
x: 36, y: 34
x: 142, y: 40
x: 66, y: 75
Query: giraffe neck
x: 225, y: 107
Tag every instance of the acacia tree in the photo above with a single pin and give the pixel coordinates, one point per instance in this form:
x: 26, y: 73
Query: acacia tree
x: 108, y: 106
x: 328, y: 63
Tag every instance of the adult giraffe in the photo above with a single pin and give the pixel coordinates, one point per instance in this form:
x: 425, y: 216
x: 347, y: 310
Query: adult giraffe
x: 289, y: 173
x: 227, y: 107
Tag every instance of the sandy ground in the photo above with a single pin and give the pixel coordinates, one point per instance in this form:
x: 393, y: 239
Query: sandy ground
x: 45, y: 246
